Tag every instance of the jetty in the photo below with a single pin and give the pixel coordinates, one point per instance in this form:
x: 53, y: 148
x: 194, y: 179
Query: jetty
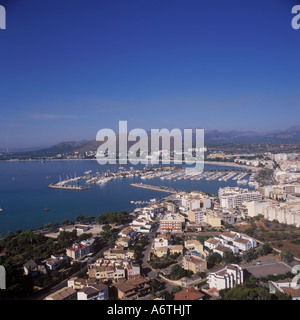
x: 67, y: 187
x: 155, y: 188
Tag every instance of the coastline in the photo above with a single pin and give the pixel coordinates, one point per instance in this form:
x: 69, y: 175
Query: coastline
x: 217, y: 163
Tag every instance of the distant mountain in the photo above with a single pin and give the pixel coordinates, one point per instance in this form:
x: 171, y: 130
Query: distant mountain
x: 212, y: 137
x: 291, y: 135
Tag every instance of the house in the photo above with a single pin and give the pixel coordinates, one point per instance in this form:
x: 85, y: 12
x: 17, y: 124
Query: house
x: 194, y: 245
x: 123, y: 242
x: 127, y: 232
x: 93, y: 292
x: 194, y: 264
x: 78, y: 283
x: 226, y: 277
x: 161, y: 251
x: 189, y: 294
x: 287, y: 287
x: 133, y: 270
x: 230, y: 236
x: 35, y: 270
x: 243, y: 244
x: 65, y: 293
x: 119, y: 253
x: 29, y: 267
x: 131, y: 287
x: 220, y: 249
x: 162, y: 240
x: 212, y: 243
x: 104, y: 273
x: 176, y: 249
x: 54, y: 261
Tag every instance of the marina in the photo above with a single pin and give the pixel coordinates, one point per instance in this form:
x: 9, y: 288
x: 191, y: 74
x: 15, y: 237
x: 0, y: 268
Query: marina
x: 109, y: 189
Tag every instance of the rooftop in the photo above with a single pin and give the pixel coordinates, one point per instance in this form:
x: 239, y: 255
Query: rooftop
x: 188, y: 294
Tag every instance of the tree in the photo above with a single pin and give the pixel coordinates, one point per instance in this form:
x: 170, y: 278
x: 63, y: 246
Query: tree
x: 85, y: 236
x: 287, y: 256
x: 265, y: 249
x: 65, y: 221
x: 229, y: 257
x: 48, y: 225
x: 249, y: 255
x: 106, y: 228
x: 80, y: 218
x: 214, y: 258
x: 177, y: 272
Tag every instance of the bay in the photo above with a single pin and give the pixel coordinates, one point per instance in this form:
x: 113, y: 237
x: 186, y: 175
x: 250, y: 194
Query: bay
x: 24, y: 192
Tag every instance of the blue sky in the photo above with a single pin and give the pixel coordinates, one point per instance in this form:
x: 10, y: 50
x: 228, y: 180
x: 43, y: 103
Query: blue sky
x: 71, y: 68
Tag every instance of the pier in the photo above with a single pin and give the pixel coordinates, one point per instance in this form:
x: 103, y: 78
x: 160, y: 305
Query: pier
x: 67, y: 187
x: 155, y: 188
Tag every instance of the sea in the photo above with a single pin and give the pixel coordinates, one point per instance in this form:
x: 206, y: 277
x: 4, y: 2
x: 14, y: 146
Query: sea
x: 24, y: 192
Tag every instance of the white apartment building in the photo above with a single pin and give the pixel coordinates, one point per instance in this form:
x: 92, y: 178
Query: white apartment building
x: 256, y: 207
x: 226, y: 278
x: 233, y: 197
x: 288, y: 213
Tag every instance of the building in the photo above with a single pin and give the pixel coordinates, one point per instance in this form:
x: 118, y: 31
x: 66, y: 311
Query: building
x: 194, y: 264
x: 172, y: 222
x: 131, y: 287
x: 119, y: 253
x: 194, y: 245
x: 176, y: 249
x: 123, y: 242
x: 97, y: 291
x: 287, y: 287
x: 226, y: 277
x: 288, y: 213
x: 243, y: 244
x: 54, y: 261
x: 65, y: 293
x: 162, y: 240
x: 196, y: 216
x: 233, y: 197
x: 79, y: 250
x: 255, y: 208
x: 213, y: 220
x: 79, y: 283
x: 230, y: 236
x: 161, y: 251
x: 105, y: 273
x: 189, y: 294
x: 133, y: 270
x: 128, y: 232
x: 212, y: 243
x: 35, y: 270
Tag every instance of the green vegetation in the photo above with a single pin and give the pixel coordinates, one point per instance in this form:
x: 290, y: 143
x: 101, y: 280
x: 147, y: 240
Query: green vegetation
x: 286, y: 256
x: 244, y: 293
x: 108, y: 217
x: 177, y: 272
x: 163, y: 262
x: 213, y: 259
x: 265, y: 177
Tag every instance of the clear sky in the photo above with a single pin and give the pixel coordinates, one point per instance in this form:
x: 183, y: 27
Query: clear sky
x: 70, y: 68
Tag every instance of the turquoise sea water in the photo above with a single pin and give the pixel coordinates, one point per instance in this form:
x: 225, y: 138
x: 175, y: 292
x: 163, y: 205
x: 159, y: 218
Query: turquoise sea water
x: 24, y: 192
